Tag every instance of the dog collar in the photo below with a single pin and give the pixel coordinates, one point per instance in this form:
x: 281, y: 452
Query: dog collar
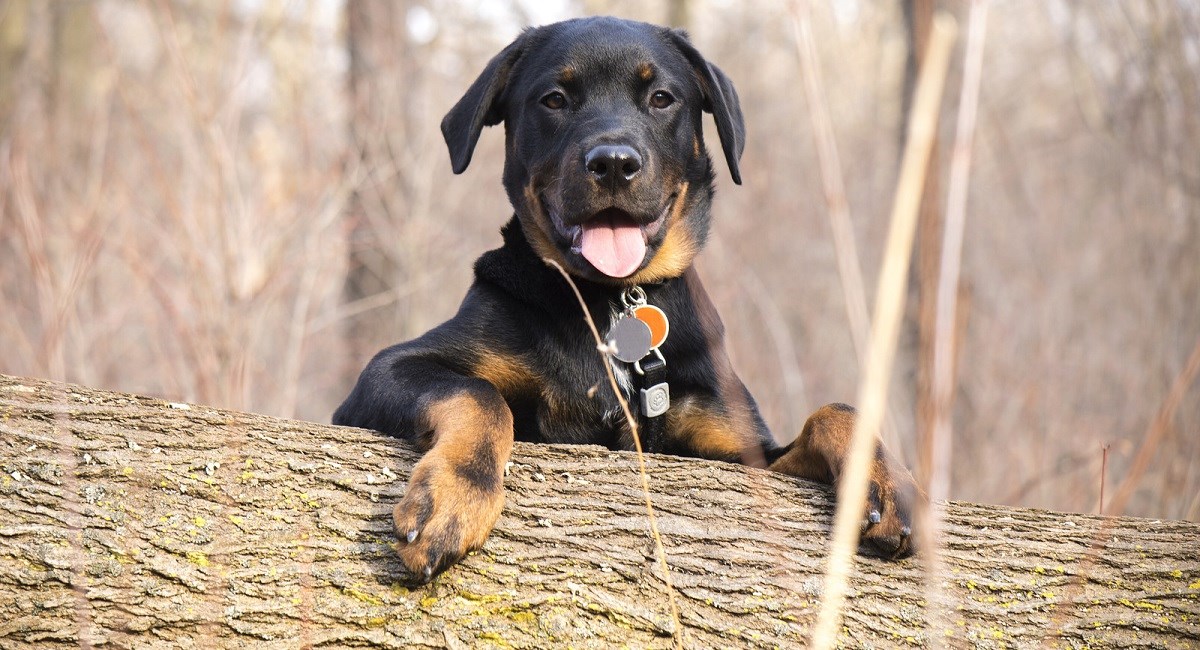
x: 636, y: 338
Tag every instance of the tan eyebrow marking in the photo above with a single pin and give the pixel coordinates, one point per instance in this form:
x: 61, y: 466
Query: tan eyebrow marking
x: 645, y: 71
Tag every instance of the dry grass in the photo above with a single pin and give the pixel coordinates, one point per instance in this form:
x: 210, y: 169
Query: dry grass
x: 182, y: 184
x: 855, y: 473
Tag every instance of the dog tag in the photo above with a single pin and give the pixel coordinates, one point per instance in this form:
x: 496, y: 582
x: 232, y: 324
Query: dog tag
x: 656, y: 400
x: 656, y: 320
x: 631, y: 337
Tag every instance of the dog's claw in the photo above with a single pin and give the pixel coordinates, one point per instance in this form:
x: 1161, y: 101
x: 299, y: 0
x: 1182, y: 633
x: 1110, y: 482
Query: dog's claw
x: 412, y: 535
x: 428, y: 573
x: 887, y: 520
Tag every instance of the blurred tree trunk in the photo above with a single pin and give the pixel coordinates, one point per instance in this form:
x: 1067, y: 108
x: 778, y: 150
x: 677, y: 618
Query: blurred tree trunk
x: 47, y: 63
x: 14, y: 45
x: 381, y: 85
x: 918, y: 21
x: 135, y: 522
x: 372, y: 270
x: 679, y: 13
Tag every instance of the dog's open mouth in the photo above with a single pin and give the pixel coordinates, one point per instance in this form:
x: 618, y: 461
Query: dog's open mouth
x: 612, y: 240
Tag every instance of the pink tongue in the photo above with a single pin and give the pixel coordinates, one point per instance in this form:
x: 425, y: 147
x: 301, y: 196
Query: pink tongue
x: 615, y: 248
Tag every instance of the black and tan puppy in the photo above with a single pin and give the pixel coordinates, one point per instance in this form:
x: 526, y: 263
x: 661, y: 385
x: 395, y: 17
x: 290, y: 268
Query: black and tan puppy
x: 607, y: 169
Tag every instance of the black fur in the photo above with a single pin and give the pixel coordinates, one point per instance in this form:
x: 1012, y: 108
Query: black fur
x: 519, y: 346
x: 521, y: 308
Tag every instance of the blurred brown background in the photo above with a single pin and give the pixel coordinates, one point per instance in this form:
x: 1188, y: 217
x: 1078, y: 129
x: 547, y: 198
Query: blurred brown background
x: 237, y: 202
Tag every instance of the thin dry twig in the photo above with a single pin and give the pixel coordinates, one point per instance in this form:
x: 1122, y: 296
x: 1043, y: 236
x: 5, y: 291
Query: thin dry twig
x: 889, y: 307
x: 660, y: 551
x: 946, y: 314
x: 830, y: 164
x: 1103, y: 475
x: 951, y: 261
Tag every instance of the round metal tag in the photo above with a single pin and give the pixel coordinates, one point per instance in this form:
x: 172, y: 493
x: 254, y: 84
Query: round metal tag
x: 631, y: 337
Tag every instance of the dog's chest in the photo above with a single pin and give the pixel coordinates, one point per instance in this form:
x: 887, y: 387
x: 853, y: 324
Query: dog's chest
x: 576, y: 402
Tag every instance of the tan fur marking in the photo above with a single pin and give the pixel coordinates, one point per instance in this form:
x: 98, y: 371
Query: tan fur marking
x: 460, y: 421
x: 460, y: 521
x: 645, y: 72
x: 677, y: 251
x: 709, y: 434
x: 566, y: 75
x: 510, y: 376
x: 450, y: 505
x: 538, y: 239
x: 820, y: 452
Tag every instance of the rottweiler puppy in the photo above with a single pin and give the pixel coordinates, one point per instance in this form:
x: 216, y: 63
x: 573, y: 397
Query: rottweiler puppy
x: 607, y: 170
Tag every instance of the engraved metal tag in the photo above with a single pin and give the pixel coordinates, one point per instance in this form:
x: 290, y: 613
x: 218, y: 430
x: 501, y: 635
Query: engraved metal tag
x: 631, y: 337
x: 656, y: 400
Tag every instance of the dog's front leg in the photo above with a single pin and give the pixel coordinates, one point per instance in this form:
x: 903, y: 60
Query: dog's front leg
x: 455, y: 492
x: 819, y: 454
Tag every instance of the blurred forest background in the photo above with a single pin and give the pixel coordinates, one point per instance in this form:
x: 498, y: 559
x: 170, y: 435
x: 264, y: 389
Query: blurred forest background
x: 237, y: 202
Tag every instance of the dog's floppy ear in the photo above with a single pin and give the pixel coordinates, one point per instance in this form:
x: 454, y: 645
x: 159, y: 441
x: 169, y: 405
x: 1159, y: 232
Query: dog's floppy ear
x: 720, y: 99
x: 480, y: 106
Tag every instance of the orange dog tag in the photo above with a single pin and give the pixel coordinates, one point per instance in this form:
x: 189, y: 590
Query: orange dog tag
x: 656, y: 320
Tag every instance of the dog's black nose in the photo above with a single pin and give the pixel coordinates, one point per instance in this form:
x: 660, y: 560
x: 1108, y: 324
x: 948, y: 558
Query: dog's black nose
x: 613, y: 165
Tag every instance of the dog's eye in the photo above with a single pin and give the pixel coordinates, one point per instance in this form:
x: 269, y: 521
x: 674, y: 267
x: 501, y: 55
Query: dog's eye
x: 661, y: 99
x: 554, y: 101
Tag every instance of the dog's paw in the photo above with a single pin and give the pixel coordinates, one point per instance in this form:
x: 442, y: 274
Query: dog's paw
x: 891, y: 500
x: 446, y: 513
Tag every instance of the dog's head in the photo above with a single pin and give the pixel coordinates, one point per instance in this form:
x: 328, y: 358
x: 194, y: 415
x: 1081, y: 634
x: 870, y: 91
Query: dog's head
x: 605, y: 160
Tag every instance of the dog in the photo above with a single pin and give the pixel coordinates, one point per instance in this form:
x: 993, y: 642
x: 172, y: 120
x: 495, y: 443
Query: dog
x: 608, y: 174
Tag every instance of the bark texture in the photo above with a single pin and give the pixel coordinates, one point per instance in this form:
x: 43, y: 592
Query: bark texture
x: 135, y: 522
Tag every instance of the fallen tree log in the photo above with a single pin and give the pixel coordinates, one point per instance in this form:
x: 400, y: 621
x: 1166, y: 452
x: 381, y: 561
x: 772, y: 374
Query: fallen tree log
x: 136, y: 522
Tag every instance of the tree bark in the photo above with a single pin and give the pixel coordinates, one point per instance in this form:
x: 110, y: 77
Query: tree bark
x: 134, y: 522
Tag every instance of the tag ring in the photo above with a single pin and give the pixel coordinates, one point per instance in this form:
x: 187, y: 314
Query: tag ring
x: 637, y: 365
x: 633, y: 296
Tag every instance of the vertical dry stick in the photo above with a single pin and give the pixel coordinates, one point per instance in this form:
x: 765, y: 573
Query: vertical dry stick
x: 677, y: 633
x: 1103, y: 473
x: 889, y: 305
x: 945, y: 316
x: 831, y: 181
x: 829, y: 161
x: 951, y: 262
